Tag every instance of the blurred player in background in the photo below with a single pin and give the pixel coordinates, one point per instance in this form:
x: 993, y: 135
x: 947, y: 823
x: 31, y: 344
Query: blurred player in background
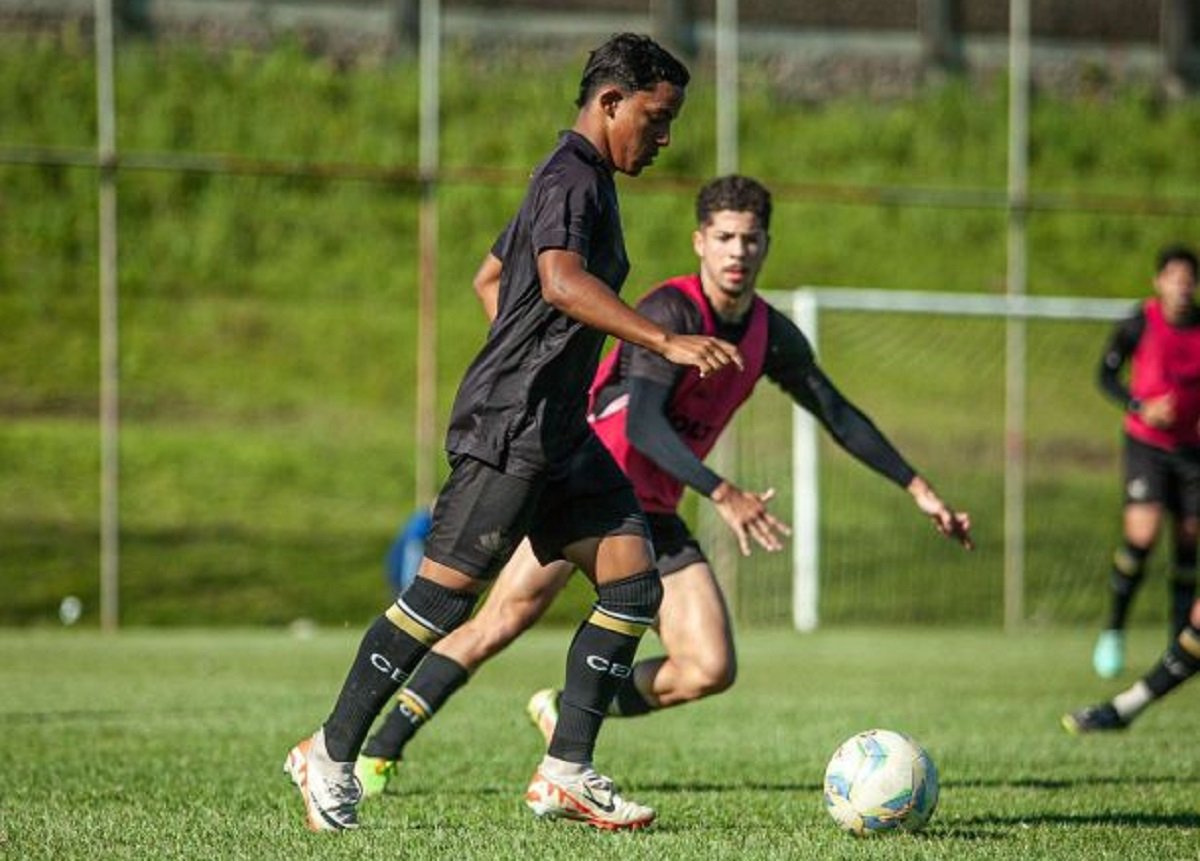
x: 1161, y: 344
x: 659, y: 422
x: 1178, y: 664
x: 517, y: 430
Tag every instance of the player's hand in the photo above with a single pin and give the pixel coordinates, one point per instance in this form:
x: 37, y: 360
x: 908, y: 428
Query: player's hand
x: 952, y: 524
x: 702, y: 352
x: 746, y: 514
x: 1158, y: 412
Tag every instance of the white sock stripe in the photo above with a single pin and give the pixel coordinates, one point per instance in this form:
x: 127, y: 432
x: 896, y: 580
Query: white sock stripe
x: 420, y: 700
x: 418, y: 618
x: 1130, y: 702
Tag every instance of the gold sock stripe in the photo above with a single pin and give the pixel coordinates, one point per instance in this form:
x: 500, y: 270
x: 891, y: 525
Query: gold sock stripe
x: 1125, y: 564
x: 413, y: 704
x: 409, y: 625
x: 621, y: 626
x: 1189, y: 641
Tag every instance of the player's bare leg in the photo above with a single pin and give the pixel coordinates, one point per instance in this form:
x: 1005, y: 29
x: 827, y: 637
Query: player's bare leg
x: 694, y: 627
x: 519, y: 597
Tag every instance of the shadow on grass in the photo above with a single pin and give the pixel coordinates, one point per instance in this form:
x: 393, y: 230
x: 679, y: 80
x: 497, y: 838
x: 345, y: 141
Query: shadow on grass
x: 1123, y: 818
x: 1018, y: 783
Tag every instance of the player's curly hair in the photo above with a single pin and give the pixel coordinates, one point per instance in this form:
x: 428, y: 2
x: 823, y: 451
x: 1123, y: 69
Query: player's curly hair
x: 1177, y: 252
x: 632, y: 62
x: 734, y: 193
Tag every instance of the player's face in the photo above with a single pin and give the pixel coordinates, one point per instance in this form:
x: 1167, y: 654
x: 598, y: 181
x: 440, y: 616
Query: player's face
x: 1176, y: 288
x: 732, y: 247
x: 641, y: 126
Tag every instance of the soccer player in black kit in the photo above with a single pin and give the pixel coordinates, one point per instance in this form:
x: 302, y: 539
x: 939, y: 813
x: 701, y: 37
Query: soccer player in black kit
x: 659, y: 421
x: 518, y: 421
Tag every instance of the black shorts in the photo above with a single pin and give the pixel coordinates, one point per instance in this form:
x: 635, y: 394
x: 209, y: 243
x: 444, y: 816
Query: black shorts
x: 1171, y: 478
x: 675, y: 547
x: 482, y: 513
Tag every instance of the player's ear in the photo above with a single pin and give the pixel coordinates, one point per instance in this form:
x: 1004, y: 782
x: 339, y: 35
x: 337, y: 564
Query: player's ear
x: 698, y: 242
x: 609, y: 99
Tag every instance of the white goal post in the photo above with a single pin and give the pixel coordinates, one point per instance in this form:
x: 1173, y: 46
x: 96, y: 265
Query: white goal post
x: 806, y: 305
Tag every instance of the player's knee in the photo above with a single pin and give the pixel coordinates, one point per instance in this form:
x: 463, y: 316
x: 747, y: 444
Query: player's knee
x: 440, y: 608
x: 638, y: 596
x: 709, y: 674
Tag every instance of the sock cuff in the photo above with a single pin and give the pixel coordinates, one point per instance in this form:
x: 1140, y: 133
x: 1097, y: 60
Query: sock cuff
x: 1129, y: 560
x: 428, y: 611
x: 628, y: 604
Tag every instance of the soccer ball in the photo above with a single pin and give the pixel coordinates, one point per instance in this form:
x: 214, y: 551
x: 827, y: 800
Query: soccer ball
x: 880, y: 780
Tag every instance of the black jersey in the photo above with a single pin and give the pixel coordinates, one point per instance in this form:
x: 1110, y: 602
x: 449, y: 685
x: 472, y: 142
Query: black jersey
x: 522, y: 405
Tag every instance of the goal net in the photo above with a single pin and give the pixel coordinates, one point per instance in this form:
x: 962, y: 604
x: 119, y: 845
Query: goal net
x: 930, y: 370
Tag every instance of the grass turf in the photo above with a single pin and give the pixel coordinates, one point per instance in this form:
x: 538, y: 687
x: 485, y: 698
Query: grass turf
x: 169, y: 745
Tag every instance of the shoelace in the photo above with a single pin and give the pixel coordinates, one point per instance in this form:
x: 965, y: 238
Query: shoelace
x: 599, y: 783
x: 345, y: 788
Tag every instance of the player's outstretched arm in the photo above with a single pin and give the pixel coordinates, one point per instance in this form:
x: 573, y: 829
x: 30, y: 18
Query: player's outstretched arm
x: 950, y: 523
x: 746, y: 514
x: 569, y: 287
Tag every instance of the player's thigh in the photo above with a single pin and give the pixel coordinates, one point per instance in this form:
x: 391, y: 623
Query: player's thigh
x: 480, y: 516
x: 1186, y: 487
x: 693, y: 620
x: 1148, y: 480
x: 590, y: 516
x: 524, y: 588
x: 1141, y: 522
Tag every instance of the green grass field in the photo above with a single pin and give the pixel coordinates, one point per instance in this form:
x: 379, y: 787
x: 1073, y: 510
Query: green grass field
x: 169, y: 745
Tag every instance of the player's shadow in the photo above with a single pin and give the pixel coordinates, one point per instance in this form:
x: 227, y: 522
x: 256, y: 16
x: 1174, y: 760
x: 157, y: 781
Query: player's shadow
x: 1123, y: 818
x: 741, y: 786
x: 1070, y: 783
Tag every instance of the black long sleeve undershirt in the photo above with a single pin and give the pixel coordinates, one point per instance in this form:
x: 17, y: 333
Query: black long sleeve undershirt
x: 651, y: 433
x: 1121, y: 344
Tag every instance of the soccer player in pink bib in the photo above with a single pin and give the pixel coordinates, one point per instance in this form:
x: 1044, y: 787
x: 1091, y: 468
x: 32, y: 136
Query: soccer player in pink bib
x: 1160, y: 343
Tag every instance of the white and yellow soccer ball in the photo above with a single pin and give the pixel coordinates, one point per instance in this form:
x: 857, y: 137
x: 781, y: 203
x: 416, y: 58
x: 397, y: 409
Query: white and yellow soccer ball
x: 880, y: 780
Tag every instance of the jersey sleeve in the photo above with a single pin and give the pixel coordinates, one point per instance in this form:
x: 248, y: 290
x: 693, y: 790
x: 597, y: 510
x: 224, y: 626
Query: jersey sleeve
x: 1121, y: 345
x: 565, y: 212
x: 791, y: 364
x: 502, y: 240
x: 674, y: 312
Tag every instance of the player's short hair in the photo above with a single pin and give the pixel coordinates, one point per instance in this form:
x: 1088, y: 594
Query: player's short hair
x: 1179, y: 252
x: 734, y: 193
x: 633, y: 63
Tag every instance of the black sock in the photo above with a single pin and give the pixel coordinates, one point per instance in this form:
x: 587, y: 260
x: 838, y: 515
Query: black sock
x: 1129, y: 564
x: 389, y: 651
x: 1183, y: 588
x: 1183, y: 594
x: 434, y: 681
x: 385, y: 657
x: 629, y: 701
x: 600, y: 659
x: 1178, y: 664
